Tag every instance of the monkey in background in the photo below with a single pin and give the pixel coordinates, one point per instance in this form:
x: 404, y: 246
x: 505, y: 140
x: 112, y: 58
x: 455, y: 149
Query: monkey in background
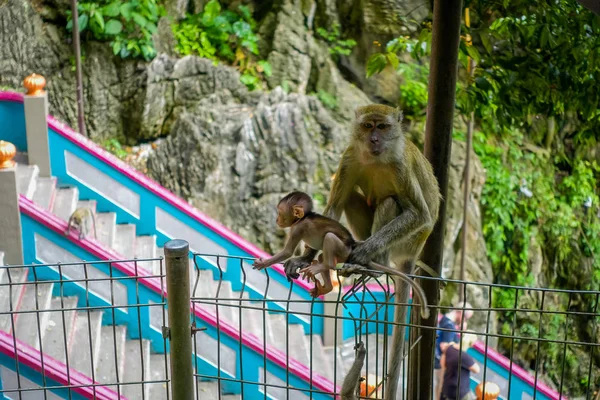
x: 353, y: 378
x: 391, y: 198
x: 79, y: 220
x: 295, y: 210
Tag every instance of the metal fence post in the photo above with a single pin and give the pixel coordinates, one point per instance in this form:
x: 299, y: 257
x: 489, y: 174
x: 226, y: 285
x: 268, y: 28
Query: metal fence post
x: 180, y: 327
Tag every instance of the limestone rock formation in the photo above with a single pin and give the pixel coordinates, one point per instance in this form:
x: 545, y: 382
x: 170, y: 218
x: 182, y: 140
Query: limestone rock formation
x: 233, y: 153
x: 112, y: 86
x: 477, y: 265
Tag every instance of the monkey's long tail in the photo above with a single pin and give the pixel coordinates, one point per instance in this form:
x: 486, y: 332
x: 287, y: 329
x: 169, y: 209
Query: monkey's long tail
x: 416, y: 287
x: 352, y: 379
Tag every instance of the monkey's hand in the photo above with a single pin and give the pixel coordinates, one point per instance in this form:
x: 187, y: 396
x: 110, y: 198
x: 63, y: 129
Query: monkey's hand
x: 360, y: 347
x: 260, y: 264
x: 292, y: 266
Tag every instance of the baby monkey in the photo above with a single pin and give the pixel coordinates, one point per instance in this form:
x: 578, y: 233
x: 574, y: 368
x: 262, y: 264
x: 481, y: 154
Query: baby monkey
x: 318, y: 232
x: 79, y: 220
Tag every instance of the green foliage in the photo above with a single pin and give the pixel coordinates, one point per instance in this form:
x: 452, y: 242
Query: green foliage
x: 128, y: 25
x: 337, y: 46
x: 328, y: 100
x: 537, y: 58
x: 225, y: 35
x: 522, y: 199
x: 114, y: 146
x: 413, y: 69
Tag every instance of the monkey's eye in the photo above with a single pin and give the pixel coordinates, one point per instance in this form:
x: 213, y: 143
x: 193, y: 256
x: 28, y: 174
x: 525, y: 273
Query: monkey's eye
x: 368, y: 125
x: 382, y: 126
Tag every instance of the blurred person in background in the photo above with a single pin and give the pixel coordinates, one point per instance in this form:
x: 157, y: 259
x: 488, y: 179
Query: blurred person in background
x: 449, y: 322
x: 457, y: 366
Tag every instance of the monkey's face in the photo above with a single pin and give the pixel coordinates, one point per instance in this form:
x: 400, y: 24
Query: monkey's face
x: 376, y: 133
x: 285, y: 216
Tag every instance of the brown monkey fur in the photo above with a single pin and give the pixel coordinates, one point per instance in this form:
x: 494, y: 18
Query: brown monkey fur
x: 353, y: 378
x: 387, y: 189
x: 321, y: 233
x: 79, y: 220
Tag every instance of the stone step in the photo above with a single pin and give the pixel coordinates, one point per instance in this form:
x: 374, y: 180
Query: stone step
x: 124, y: 243
x: 207, y: 389
x: 106, y: 228
x: 158, y: 391
x: 138, y: 359
x: 80, y: 356
x: 145, y: 247
x: 11, y: 296
x: 105, y: 371
x: 276, y: 331
x: 322, y: 364
x: 59, y: 329
x: 340, y: 366
x: 65, y: 202
x: 44, y: 192
x: 30, y: 326
x: 26, y: 179
x: 299, y: 345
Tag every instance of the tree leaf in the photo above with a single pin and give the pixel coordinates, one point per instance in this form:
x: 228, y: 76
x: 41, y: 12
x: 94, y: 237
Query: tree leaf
x: 485, y: 40
x: 393, y: 59
x: 70, y: 25
x: 242, y: 29
x: 111, y: 10
x: 139, y: 19
x: 266, y: 67
x: 83, y: 22
x: 113, y: 27
x: 474, y: 53
x: 151, y: 27
x: 376, y: 63
x: 126, y: 10
x: 211, y: 11
x: 99, y: 20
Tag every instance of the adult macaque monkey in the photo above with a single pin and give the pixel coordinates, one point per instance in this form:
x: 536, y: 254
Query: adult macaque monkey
x: 80, y: 220
x: 389, y: 194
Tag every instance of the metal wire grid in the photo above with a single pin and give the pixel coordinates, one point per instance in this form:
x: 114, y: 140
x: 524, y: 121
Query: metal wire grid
x: 13, y: 281
x: 360, y: 294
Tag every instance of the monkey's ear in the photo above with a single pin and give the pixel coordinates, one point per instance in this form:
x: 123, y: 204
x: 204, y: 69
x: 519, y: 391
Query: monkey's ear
x: 400, y: 114
x: 356, y: 114
x: 298, y: 211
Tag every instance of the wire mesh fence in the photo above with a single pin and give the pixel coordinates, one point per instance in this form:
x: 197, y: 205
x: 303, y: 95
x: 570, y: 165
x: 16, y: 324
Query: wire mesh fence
x: 101, y: 330
x: 82, y: 330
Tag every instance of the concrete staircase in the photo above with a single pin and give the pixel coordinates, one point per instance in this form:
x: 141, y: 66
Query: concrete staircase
x: 122, y: 238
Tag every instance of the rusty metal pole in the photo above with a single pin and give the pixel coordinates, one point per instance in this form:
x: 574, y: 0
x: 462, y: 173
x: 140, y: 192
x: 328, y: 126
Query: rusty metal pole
x: 180, y: 326
x: 79, y: 79
x: 467, y: 174
x: 438, y: 142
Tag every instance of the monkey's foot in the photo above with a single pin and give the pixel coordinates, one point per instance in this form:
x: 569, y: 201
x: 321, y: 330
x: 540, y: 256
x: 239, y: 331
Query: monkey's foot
x: 318, y: 290
x: 313, y: 270
x: 346, y: 270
